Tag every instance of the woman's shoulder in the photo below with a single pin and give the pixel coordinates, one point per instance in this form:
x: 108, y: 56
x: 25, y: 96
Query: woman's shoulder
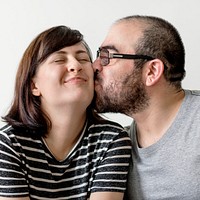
x: 12, y: 135
x: 101, y: 127
x: 101, y: 121
x: 6, y: 131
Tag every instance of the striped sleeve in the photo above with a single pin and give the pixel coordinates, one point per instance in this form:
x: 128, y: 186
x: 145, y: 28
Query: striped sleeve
x: 111, y: 173
x: 12, y: 175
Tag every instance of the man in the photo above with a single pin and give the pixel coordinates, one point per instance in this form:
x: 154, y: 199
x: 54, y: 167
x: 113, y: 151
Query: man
x: 139, y: 69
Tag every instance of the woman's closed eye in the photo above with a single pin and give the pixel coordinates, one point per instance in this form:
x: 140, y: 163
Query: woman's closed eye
x: 60, y: 60
x: 83, y: 60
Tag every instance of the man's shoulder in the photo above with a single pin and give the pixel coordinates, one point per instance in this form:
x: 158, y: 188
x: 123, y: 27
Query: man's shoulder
x: 195, y: 92
x: 192, y: 92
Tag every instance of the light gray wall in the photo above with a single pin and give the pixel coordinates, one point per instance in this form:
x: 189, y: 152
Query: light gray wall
x: 22, y: 20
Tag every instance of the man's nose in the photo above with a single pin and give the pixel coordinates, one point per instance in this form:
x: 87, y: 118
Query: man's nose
x: 97, y: 65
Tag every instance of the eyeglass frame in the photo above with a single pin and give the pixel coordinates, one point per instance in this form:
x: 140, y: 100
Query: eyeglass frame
x: 122, y: 56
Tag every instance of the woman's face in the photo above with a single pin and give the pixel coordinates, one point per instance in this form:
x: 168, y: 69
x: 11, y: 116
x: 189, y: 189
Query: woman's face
x: 65, y: 79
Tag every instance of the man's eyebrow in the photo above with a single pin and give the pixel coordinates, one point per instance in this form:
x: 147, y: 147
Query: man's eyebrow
x: 110, y: 47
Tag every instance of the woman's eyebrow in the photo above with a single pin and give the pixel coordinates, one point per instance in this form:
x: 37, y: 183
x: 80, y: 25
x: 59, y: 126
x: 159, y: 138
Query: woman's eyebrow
x: 60, y: 52
x: 81, y: 51
x: 65, y: 52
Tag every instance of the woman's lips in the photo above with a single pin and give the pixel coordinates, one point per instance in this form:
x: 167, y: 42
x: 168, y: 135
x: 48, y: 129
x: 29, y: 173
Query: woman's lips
x: 75, y: 79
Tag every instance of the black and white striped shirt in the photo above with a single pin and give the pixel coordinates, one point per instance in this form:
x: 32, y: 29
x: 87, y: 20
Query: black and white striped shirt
x: 98, y: 162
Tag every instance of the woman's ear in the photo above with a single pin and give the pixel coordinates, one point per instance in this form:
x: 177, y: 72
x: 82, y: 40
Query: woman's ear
x: 34, y: 89
x: 154, y: 71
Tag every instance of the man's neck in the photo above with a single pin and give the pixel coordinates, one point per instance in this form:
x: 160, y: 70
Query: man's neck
x: 153, y: 123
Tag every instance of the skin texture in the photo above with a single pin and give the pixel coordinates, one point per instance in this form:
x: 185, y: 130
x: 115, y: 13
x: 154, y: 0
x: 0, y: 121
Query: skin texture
x: 119, y: 83
x: 65, y: 84
x: 142, y: 94
x: 94, y: 196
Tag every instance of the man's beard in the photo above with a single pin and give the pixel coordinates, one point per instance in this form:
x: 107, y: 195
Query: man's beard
x: 126, y: 95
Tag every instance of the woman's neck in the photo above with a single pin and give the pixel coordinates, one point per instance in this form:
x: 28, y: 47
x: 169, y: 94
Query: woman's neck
x: 65, y: 132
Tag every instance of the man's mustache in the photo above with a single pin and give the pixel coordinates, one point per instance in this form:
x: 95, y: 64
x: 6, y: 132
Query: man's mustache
x: 96, y: 75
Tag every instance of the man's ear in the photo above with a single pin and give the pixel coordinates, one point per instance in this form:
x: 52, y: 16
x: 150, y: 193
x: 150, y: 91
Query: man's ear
x: 153, y: 72
x: 34, y: 89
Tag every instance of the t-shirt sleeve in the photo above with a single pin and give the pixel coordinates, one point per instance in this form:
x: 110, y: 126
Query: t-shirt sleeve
x: 12, y: 176
x: 111, y: 172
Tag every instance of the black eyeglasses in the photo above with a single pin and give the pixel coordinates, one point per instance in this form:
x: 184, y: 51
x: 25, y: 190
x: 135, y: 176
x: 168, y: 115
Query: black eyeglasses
x: 105, y: 56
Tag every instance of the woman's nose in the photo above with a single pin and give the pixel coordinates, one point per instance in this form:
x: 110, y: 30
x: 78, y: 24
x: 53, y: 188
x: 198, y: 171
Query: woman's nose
x: 74, y: 66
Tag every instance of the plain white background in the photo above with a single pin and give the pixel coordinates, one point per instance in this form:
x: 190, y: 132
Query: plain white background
x: 22, y: 20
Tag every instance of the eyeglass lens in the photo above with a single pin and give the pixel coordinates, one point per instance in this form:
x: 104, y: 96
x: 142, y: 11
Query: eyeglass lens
x: 104, y: 56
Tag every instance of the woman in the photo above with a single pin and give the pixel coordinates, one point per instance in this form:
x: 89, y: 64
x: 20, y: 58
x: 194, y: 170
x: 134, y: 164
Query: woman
x: 54, y: 146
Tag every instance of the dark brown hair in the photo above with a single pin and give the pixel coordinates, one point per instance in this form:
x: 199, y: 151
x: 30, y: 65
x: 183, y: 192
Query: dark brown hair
x: 161, y: 40
x: 25, y: 111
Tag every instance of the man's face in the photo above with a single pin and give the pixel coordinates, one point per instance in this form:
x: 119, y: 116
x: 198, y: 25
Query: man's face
x: 119, y: 86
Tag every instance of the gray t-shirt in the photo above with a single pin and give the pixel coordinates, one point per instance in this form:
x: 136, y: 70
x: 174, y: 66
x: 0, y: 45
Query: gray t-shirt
x: 170, y: 168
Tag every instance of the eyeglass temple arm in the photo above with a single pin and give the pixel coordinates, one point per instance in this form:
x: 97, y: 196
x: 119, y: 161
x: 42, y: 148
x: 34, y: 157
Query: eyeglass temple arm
x: 129, y: 56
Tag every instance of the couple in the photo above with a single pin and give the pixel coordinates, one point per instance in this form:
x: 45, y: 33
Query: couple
x: 56, y: 146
